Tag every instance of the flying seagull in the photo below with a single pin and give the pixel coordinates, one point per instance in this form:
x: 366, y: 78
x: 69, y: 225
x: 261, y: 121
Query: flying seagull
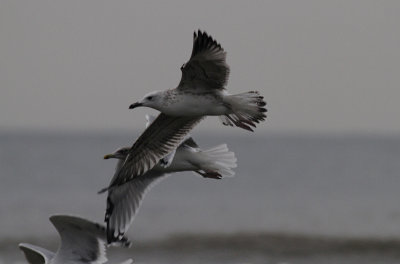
x: 82, y: 241
x: 124, y: 201
x: 201, y: 92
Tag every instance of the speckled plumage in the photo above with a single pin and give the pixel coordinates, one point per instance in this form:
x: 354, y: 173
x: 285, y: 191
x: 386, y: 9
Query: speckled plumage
x: 201, y: 92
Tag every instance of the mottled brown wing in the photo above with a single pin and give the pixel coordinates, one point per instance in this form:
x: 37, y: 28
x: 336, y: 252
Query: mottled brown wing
x: 160, y: 138
x: 207, y: 68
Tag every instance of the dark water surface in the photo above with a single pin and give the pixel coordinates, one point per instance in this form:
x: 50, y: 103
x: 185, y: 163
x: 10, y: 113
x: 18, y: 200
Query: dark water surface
x: 288, y: 193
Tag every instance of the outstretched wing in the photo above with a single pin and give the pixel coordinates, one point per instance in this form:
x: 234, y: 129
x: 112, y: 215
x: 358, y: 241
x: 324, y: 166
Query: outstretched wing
x: 35, y: 254
x: 167, y: 160
x: 159, y: 139
x: 124, y: 201
x: 206, y: 68
x: 82, y: 241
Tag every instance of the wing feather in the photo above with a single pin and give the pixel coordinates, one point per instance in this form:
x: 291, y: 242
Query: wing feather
x: 35, y: 254
x: 123, y: 203
x: 157, y: 141
x: 206, y: 68
x: 82, y: 241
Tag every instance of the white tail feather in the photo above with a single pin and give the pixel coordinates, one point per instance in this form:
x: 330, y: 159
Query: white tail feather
x: 219, y: 159
x: 247, y: 110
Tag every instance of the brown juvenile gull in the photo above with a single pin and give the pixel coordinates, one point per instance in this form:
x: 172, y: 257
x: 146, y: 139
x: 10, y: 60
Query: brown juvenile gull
x: 82, y: 242
x: 201, y: 92
x: 123, y: 201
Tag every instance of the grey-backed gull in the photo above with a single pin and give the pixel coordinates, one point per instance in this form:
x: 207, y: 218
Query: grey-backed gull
x: 123, y: 201
x: 201, y: 92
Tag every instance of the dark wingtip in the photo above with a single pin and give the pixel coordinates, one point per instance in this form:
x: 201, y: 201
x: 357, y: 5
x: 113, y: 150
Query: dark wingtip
x: 245, y: 127
x: 109, y: 210
x: 110, y: 233
x: 202, y: 41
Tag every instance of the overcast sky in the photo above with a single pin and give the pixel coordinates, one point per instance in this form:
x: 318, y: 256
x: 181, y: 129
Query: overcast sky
x: 323, y: 66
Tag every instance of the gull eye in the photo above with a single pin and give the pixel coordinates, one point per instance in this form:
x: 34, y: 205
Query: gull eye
x: 150, y: 98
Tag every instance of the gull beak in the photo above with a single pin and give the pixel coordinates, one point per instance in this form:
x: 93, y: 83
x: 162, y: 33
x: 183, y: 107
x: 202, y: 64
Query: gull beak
x: 135, y: 105
x: 108, y: 156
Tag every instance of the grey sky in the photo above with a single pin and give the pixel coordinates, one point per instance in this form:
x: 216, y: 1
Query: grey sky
x: 323, y: 66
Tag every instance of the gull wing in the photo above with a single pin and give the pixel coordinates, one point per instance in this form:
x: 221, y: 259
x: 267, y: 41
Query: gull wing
x: 206, y: 68
x: 82, y: 241
x: 123, y: 203
x: 167, y: 160
x: 35, y: 254
x: 158, y: 140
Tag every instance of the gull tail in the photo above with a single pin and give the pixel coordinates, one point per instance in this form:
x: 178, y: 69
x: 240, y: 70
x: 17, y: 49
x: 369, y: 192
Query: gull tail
x: 248, y: 109
x: 217, y: 162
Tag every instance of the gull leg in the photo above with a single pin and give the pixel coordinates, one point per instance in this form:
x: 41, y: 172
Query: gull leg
x: 210, y: 174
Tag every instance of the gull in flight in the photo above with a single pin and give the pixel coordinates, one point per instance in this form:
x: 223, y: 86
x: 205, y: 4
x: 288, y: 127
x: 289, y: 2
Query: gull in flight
x: 124, y: 201
x: 201, y: 92
x: 82, y: 242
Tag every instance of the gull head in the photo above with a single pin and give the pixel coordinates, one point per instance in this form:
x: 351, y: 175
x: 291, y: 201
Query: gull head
x: 152, y: 100
x: 120, y: 153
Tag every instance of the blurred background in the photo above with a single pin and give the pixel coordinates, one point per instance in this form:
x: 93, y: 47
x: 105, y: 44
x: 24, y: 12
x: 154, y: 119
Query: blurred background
x: 316, y: 183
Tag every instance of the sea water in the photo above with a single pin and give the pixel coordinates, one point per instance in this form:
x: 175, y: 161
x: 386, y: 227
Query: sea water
x: 294, y: 199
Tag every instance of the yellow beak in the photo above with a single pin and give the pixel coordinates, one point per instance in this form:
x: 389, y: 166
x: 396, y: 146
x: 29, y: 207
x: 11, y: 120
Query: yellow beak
x: 108, y: 156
